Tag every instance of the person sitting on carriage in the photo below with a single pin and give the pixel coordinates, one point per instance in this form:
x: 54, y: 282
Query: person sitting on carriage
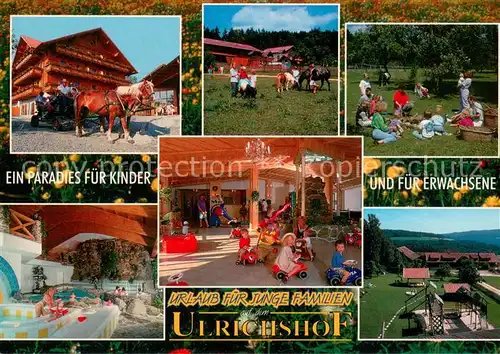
x: 66, y: 93
x: 64, y: 89
x: 41, y: 102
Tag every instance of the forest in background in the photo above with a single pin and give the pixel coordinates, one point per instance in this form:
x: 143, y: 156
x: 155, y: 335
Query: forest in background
x: 316, y: 46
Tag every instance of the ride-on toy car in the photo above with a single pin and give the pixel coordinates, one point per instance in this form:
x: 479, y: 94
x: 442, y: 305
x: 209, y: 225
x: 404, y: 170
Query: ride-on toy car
x: 249, y: 257
x: 175, y: 280
x: 58, y: 112
x: 301, y: 248
x: 334, y: 278
x: 283, y: 276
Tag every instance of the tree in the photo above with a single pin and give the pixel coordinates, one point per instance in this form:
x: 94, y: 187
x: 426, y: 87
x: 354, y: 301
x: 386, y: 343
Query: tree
x: 469, y: 273
x: 132, y: 79
x: 444, y: 270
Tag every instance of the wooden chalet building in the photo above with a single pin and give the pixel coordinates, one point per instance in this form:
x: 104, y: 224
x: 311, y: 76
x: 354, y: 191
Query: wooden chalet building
x: 229, y: 52
x: 167, y: 83
x: 88, y: 60
x: 434, y: 259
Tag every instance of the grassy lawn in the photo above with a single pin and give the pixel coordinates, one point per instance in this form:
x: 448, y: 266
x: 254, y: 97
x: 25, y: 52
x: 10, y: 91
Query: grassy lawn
x: 493, y: 281
x: 484, y: 87
x: 289, y: 113
x: 383, y: 300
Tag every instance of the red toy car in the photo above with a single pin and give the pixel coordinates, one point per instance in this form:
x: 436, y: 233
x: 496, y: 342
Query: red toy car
x: 249, y: 257
x: 284, y: 276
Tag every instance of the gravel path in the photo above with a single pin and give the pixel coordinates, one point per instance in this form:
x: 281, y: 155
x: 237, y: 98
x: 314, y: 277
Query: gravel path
x: 144, y: 131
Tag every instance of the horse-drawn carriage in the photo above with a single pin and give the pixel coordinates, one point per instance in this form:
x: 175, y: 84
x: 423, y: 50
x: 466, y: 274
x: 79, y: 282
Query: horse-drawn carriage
x: 58, y: 112
x: 63, y: 112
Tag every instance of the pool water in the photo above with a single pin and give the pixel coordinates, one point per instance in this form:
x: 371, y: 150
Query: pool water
x: 64, y: 295
x: 12, y: 318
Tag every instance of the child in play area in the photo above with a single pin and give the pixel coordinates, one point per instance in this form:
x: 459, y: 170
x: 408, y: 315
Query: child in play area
x: 236, y: 231
x: 338, y: 261
x: 117, y: 290
x: 302, y: 231
x: 244, y: 244
x: 287, y: 260
x: 396, y: 126
x: 425, y: 127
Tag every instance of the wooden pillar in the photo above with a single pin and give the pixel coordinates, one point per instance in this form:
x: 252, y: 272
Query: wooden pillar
x: 303, y: 182
x: 339, y: 189
x: 254, y: 205
x: 329, y: 190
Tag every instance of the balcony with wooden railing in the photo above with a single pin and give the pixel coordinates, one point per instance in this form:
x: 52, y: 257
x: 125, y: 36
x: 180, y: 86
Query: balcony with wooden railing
x: 71, y: 71
x: 25, y: 227
x: 92, y: 58
x: 28, y: 76
x: 25, y: 92
x: 26, y: 59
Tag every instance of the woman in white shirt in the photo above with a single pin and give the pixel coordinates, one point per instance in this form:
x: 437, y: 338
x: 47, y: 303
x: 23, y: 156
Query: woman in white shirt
x: 364, y: 84
x: 476, y: 112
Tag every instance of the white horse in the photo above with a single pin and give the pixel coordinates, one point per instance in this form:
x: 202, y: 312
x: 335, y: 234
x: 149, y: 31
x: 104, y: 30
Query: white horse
x: 138, y: 90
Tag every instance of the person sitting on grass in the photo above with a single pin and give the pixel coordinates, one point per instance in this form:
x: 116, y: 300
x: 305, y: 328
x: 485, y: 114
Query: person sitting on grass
x: 425, y: 127
x: 287, y: 260
x: 402, y: 102
x: 464, y: 118
x: 438, y: 122
x: 366, y: 97
x: 421, y: 91
x: 396, y: 126
x: 381, y: 133
x: 373, y: 102
x: 364, y: 84
x: 338, y: 261
x: 477, y: 112
x: 363, y: 115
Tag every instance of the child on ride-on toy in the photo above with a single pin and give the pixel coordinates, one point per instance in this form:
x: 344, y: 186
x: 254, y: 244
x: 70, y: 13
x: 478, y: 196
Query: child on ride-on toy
x: 244, y: 244
x: 235, y: 229
x: 287, y: 260
x: 302, y: 231
x: 338, y: 261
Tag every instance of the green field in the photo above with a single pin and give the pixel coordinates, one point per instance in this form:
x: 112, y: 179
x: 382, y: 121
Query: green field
x: 381, y: 301
x: 494, y: 281
x: 289, y: 113
x: 484, y: 87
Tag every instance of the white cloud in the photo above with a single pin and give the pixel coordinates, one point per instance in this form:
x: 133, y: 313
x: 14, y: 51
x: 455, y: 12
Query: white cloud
x: 287, y: 18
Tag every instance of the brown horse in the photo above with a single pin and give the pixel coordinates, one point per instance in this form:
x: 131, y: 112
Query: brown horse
x: 110, y: 104
x: 280, y: 82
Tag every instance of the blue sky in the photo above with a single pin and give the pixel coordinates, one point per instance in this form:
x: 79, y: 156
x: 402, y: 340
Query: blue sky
x: 357, y: 28
x: 271, y: 17
x: 437, y: 221
x: 145, y: 41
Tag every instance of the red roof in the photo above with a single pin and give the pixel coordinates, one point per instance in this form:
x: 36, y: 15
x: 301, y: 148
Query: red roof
x: 278, y: 49
x: 453, y: 288
x: 416, y: 273
x: 220, y: 43
x: 33, y: 43
x: 408, y: 253
x: 36, y: 44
